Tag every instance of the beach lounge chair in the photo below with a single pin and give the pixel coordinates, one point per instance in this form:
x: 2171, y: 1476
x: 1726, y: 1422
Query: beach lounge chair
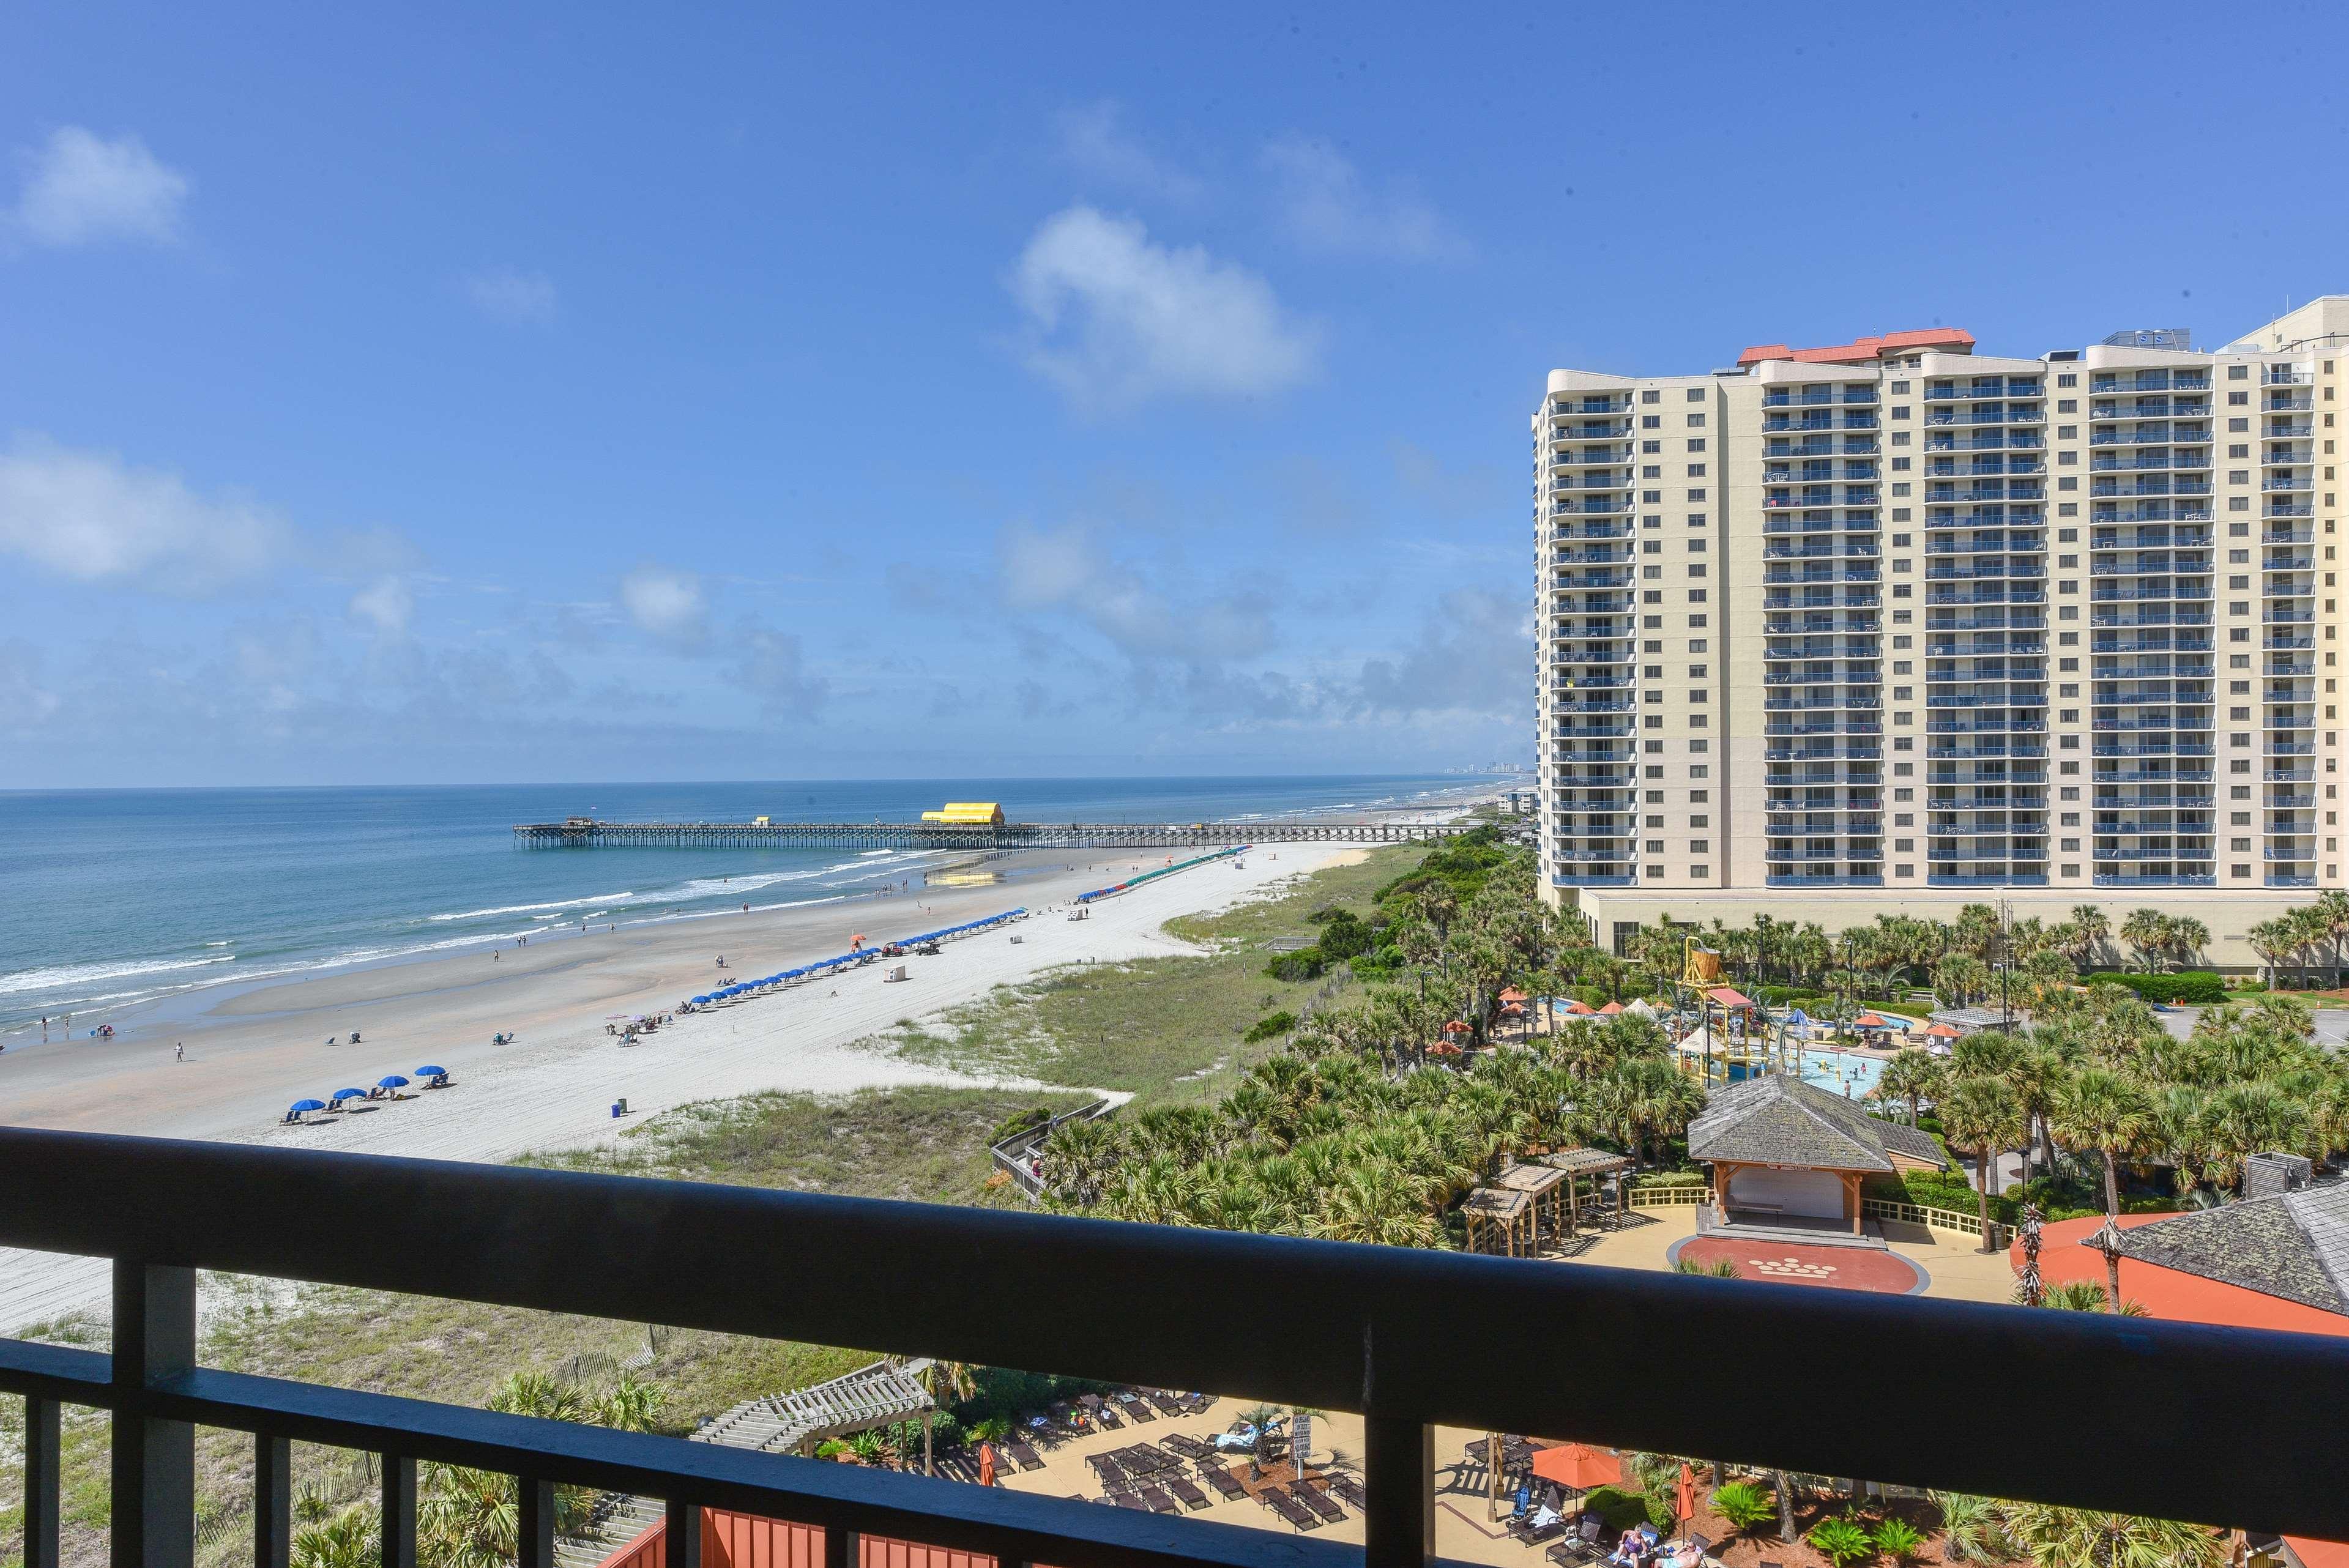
x: 1112, y: 1474
x: 1327, y: 1512
x: 1572, y: 1553
x: 1285, y: 1507
x: 1190, y: 1495
x: 1188, y: 1447
x: 1157, y: 1502
x: 1133, y: 1407
x: 1226, y: 1484
x: 1350, y: 1491
x: 1127, y: 1499
x: 1023, y: 1456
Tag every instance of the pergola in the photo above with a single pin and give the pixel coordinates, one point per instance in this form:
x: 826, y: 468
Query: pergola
x: 1580, y: 1162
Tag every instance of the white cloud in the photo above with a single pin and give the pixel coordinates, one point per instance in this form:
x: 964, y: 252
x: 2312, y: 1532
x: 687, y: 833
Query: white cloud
x: 386, y: 603
x: 1066, y: 570
x: 1117, y: 321
x: 512, y: 295
x: 90, y: 517
x: 1093, y: 142
x: 769, y: 665
x: 81, y: 189
x: 1327, y: 207
x: 664, y: 602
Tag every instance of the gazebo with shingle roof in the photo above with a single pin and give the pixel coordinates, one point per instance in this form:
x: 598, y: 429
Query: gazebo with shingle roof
x: 1781, y: 1150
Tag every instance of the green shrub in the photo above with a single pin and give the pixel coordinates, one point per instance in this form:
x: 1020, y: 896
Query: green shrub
x: 1899, y: 1539
x: 1384, y: 965
x: 1745, y: 1505
x: 1842, y: 1540
x: 1268, y: 1025
x: 1345, y: 936
x: 1305, y: 964
x: 1012, y: 1126
x: 1622, y: 1510
x: 2194, y: 987
x: 831, y: 1449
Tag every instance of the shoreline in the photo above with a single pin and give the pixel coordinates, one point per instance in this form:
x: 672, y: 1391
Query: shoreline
x: 250, y: 1053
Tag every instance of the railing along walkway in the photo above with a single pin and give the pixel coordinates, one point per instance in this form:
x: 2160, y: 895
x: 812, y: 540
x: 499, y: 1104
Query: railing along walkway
x: 1409, y: 1338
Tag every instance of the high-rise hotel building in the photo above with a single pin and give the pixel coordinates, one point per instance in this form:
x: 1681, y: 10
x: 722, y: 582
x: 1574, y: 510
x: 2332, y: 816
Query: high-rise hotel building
x: 1894, y: 623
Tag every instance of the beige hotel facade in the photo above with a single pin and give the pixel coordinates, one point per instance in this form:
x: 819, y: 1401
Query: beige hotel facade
x: 1898, y: 626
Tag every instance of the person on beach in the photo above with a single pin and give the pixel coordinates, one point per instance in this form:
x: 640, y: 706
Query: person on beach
x: 180, y: 1051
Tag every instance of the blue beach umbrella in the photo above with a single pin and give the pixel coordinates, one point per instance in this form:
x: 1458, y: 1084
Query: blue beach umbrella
x: 347, y: 1094
x: 391, y: 1080
x: 309, y: 1105
x: 431, y: 1072
x: 700, y: 1001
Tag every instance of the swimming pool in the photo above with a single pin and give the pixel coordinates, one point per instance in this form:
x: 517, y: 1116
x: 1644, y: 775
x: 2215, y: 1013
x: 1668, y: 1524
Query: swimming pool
x: 1838, y: 1071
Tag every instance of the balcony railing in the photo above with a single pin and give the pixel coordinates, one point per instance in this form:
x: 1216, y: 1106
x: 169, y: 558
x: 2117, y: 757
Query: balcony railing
x: 740, y: 1261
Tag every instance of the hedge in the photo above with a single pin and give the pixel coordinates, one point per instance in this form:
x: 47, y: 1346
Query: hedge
x: 2196, y: 988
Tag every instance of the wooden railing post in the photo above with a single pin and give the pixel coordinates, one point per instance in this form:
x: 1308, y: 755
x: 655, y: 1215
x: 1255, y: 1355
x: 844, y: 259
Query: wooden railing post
x: 681, y: 1534
x: 399, y: 1511
x: 272, y: 1501
x: 43, y: 1480
x: 535, y: 1533
x: 154, y: 1461
x: 1399, y: 1477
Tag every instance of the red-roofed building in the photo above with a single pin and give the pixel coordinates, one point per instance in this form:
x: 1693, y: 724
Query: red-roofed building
x: 1866, y: 350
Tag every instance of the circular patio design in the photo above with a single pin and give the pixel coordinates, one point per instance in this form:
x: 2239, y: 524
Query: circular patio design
x: 1792, y: 1263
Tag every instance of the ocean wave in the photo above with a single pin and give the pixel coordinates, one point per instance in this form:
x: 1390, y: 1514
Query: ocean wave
x: 93, y: 973
x: 527, y: 908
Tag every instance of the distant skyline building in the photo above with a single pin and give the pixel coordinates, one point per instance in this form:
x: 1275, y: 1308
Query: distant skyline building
x: 1894, y: 622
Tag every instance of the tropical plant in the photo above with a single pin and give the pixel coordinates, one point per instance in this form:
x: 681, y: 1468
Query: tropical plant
x: 2053, y: 1537
x: 1899, y: 1539
x: 2086, y: 1295
x: 1842, y: 1540
x: 1746, y: 1506
x: 351, y: 1538
x: 1972, y: 1529
x: 1912, y: 1076
x: 1719, y: 1268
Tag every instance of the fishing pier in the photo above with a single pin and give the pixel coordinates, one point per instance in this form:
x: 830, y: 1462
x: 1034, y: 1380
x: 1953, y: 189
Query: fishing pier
x: 589, y: 832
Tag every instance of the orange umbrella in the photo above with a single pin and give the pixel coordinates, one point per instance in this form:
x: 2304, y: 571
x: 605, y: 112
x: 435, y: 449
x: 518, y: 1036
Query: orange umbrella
x: 1687, y: 1498
x: 986, y: 1464
x: 1578, y: 1465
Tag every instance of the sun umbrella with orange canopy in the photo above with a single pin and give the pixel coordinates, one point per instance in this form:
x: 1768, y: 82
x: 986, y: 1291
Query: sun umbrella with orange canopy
x: 1686, y: 1495
x: 986, y: 1464
x: 1578, y: 1467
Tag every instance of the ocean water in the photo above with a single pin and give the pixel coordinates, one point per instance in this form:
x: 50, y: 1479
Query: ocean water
x: 111, y: 897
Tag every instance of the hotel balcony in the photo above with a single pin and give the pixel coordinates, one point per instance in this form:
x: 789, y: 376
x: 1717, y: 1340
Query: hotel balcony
x: 734, y: 1261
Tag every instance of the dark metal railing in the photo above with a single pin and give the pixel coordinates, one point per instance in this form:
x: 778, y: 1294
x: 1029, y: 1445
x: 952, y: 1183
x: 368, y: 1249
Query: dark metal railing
x: 1982, y: 1398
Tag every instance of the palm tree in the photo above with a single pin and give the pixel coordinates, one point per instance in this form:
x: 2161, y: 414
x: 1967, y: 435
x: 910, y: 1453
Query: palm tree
x: 1910, y: 1075
x: 1078, y: 1157
x: 2272, y: 939
x: 2251, y: 1118
x: 1982, y: 1115
x: 2330, y: 910
x: 2188, y: 937
x: 353, y: 1538
x: 2053, y: 1537
x: 2147, y: 931
x: 2090, y: 930
x: 1973, y: 1531
x: 2038, y: 1074
x: 2102, y: 1111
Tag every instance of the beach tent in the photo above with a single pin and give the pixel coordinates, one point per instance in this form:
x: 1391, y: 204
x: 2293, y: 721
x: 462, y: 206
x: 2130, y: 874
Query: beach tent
x: 1612, y: 1009
x: 1639, y: 1006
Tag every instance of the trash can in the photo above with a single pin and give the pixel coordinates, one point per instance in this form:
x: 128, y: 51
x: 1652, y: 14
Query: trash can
x: 620, y: 1107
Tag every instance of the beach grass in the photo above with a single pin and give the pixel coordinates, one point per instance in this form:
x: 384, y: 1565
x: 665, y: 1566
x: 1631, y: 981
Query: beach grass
x: 1166, y: 1030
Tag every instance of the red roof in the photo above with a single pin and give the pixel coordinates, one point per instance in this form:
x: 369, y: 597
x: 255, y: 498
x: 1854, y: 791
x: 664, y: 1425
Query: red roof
x: 1727, y: 998
x: 2319, y: 1554
x: 1864, y: 350
x: 2171, y: 1294
x: 1612, y: 1007
x: 1871, y: 1021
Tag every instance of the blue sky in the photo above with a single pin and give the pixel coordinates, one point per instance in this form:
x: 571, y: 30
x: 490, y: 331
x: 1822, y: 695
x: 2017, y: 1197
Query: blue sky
x: 573, y: 392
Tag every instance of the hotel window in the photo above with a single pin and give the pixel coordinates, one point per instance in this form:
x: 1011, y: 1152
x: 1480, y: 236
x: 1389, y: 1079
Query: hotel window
x: 1699, y: 872
x: 1696, y: 470
x: 1656, y: 847
x: 1651, y: 397
x: 2237, y: 399
x: 1651, y: 498
x: 1650, y: 449
x: 1696, y: 444
x: 2237, y: 426
x: 1696, y: 567
x: 1696, y: 422
x: 1699, y: 847
x: 1652, y: 471
x: 1696, y: 393
x: 1651, y: 421
x: 1696, y: 596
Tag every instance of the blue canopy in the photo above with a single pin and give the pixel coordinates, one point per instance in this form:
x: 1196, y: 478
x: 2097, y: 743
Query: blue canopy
x: 347, y: 1094
x: 431, y: 1072
x: 698, y: 1001
x: 1796, y: 1016
x: 390, y: 1081
x: 309, y: 1105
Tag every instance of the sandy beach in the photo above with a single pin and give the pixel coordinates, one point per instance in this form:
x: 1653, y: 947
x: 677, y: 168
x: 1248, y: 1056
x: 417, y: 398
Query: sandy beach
x: 251, y: 1051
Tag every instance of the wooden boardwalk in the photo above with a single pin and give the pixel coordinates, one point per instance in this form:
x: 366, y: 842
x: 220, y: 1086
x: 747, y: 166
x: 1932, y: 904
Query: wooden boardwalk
x: 587, y: 832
